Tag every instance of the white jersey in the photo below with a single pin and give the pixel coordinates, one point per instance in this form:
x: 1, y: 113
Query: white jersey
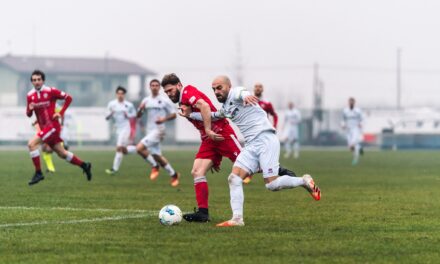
x: 251, y: 120
x: 157, y: 107
x: 121, y: 113
x: 292, y: 118
x: 352, y: 118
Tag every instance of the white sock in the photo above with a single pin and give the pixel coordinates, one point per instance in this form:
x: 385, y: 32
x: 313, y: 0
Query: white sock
x: 288, y: 147
x: 169, y: 169
x: 237, y: 196
x: 296, y: 149
x: 285, y: 182
x: 151, y: 160
x: 357, y: 149
x: 131, y: 149
x: 117, y: 161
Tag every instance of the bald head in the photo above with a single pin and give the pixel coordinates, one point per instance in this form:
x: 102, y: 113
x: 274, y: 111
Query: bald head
x: 221, y: 86
x: 258, y: 89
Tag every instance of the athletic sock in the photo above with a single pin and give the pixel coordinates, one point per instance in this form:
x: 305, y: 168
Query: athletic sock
x: 35, y: 156
x: 202, y: 193
x: 47, y: 157
x: 117, y: 161
x: 151, y: 160
x: 237, y: 196
x: 73, y: 159
x: 357, y: 149
x: 131, y: 149
x: 169, y: 169
x: 285, y: 182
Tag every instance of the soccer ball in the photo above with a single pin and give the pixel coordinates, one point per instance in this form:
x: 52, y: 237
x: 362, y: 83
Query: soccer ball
x: 170, y: 215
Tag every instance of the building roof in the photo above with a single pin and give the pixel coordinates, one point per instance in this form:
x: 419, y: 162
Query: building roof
x: 75, y: 65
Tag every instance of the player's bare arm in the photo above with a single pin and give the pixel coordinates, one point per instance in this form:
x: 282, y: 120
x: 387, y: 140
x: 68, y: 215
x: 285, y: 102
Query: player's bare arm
x: 205, y: 110
x: 140, y: 110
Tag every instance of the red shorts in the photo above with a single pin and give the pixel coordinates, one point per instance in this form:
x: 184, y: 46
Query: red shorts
x: 216, y: 150
x: 50, y: 136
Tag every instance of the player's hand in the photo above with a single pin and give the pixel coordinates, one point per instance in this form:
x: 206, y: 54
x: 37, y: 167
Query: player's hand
x: 250, y: 100
x: 185, y: 111
x: 214, y: 136
x: 56, y: 116
x: 31, y: 106
x: 160, y: 120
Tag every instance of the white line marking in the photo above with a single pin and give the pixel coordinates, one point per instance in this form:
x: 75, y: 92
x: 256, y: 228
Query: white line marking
x: 78, y: 221
x: 75, y: 209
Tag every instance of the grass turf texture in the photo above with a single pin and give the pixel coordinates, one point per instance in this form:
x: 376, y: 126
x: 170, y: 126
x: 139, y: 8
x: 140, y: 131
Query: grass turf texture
x: 386, y: 209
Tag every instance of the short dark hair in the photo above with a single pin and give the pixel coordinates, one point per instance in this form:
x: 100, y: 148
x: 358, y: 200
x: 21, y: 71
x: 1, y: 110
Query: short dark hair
x: 120, y: 88
x: 170, y: 79
x: 40, y: 73
x: 154, y: 81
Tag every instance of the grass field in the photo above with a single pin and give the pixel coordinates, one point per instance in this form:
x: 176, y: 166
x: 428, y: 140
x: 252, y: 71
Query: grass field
x: 387, y: 209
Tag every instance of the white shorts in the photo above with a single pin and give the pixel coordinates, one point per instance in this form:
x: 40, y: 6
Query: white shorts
x: 262, y: 152
x: 354, y: 137
x: 152, y: 141
x: 291, y: 134
x: 123, y: 137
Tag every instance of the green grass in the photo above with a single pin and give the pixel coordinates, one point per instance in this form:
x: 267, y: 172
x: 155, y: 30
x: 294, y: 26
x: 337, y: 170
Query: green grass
x: 387, y: 209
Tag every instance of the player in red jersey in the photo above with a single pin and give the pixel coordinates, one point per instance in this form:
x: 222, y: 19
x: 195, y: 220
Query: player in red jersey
x: 41, y: 100
x: 218, y: 140
x: 268, y: 108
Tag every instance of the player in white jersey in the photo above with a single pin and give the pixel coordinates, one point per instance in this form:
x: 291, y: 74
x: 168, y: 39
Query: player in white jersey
x: 159, y: 109
x: 292, y: 120
x: 121, y: 110
x: 261, y: 150
x: 352, y: 123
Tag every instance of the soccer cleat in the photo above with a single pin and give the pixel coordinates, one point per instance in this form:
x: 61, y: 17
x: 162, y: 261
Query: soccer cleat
x: 283, y: 171
x: 247, y: 180
x: 154, y: 173
x: 361, y: 151
x: 232, y: 222
x: 174, y: 181
x: 87, y: 169
x: 38, y: 176
x: 197, y: 216
x: 110, y: 171
x: 311, y: 187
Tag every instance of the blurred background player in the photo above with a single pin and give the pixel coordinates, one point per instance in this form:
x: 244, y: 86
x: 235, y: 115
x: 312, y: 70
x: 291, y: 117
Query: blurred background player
x: 121, y: 111
x: 159, y: 110
x: 41, y: 100
x: 268, y: 108
x: 292, y: 120
x: 352, y: 124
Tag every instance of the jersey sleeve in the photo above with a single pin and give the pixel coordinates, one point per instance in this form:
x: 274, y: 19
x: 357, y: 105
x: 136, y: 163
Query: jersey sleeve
x: 214, y: 115
x: 131, y: 111
x: 271, y: 111
x: 190, y: 96
x: 239, y: 93
x: 28, y: 110
x: 60, y: 95
x: 170, y: 108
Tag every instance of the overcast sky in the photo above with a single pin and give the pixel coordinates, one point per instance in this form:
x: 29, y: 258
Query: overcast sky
x: 354, y: 42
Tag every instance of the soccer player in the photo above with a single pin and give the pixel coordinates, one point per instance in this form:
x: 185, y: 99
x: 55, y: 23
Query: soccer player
x: 262, y: 147
x: 121, y: 110
x: 352, y: 124
x: 291, y: 129
x: 159, y: 111
x: 41, y: 100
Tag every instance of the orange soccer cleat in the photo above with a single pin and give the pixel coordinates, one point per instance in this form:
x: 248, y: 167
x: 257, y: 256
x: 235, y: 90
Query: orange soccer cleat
x: 247, y: 180
x: 174, y: 181
x: 311, y: 187
x: 232, y: 222
x: 154, y: 173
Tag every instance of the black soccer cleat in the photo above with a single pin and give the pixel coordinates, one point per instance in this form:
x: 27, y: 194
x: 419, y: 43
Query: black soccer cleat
x: 197, y: 216
x: 87, y: 169
x: 38, y: 176
x: 361, y: 151
x: 283, y: 171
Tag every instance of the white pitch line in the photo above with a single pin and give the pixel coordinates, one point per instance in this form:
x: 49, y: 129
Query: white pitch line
x: 74, y: 209
x: 78, y: 221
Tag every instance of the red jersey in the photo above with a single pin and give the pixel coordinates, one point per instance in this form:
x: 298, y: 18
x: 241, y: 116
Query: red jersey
x: 267, y: 106
x: 189, y: 96
x: 44, y: 104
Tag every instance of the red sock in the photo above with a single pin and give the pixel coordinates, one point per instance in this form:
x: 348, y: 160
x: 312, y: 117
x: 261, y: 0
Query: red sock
x: 202, y: 193
x: 37, y: 164
x: 76, y: 161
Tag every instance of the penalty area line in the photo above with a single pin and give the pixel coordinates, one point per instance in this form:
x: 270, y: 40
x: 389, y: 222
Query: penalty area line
x: 74, y: 209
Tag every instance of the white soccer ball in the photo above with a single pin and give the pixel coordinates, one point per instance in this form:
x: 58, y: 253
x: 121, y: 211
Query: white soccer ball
x: 170, y: 215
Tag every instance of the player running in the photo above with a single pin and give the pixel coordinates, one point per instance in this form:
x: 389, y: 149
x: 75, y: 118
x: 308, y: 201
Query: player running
x: 262, y: 147
x: 352, y: 123
x: 292, y: 120
x: 159, y: 110
x: 41, y: 100
x: 268, y: 108
x: 121, y: 111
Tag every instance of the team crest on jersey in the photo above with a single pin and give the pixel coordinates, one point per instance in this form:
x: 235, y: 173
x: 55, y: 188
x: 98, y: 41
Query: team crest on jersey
x: 192, y: 99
